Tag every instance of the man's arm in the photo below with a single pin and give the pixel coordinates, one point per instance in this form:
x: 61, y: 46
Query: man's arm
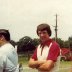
x: 47, y: 66
x: 35, y: 64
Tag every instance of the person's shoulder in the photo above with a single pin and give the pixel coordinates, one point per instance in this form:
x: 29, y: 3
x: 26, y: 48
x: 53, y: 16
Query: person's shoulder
x: 9, y: 48
x: 10, y: 45
x: 55, y: 45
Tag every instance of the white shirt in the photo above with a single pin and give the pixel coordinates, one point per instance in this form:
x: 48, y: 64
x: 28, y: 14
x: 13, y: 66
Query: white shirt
x: 8, y: 58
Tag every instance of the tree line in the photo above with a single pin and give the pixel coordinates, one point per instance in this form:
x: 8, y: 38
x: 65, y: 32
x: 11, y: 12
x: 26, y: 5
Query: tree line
x: 26, y: 43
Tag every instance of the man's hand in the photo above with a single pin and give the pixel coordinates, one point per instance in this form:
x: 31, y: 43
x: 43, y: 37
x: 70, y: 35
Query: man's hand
x: 35, y: 64
x: 47, y: 66
x: 39, y: 63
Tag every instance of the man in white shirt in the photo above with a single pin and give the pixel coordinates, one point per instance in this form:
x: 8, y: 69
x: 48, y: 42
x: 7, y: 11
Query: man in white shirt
x: 8, y: 54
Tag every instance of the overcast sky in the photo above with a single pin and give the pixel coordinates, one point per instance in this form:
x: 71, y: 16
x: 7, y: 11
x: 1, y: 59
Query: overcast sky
x: 21, y: 17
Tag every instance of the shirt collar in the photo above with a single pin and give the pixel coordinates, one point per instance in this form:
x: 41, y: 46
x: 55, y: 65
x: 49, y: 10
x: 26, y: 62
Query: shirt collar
x: 46, y: 43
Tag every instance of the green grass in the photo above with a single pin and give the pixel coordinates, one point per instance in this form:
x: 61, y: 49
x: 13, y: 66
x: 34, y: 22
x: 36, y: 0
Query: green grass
x: 23, y: 60
x: 65, y: 64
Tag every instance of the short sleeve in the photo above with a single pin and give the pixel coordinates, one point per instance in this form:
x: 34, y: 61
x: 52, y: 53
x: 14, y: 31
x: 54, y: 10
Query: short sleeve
x: 54, y: 52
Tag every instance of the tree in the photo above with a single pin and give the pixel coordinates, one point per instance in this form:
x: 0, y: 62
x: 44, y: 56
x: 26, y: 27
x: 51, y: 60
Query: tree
x: 60, y: 42
x: 70, y: 42
x: 25, y: 44
x: 35, y: 42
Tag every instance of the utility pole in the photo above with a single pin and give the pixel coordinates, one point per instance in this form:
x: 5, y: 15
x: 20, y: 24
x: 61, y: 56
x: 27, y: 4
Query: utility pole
x: 56, y: 29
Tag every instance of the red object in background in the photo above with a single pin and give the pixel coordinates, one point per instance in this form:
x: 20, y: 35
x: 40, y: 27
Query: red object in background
x: 66, y: 54
x: 65, y: 51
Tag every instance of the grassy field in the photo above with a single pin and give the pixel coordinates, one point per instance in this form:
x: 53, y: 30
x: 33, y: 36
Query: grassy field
x: 64, y: 65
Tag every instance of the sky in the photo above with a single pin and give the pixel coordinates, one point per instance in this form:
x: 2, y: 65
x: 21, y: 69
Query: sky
x: 21, y: 17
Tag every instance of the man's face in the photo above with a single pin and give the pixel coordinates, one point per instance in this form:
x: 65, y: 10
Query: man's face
x: 44, y: 36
